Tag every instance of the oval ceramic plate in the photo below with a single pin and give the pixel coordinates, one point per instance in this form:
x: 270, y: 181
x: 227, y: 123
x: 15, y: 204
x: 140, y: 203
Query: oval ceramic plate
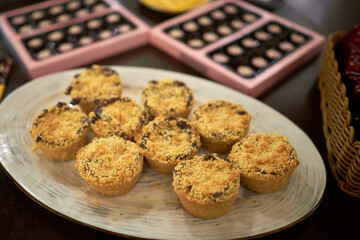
x: 152, y: 209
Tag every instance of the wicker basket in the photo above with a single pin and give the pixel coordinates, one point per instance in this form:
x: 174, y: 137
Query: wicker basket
x: 343, y: 150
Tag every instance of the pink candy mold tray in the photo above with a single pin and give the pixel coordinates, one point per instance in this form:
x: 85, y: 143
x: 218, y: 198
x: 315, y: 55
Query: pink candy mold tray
x: 55, y: 35
x: 237, y: 44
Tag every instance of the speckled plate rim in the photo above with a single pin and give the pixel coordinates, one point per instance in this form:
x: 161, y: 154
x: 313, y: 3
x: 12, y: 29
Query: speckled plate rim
x: 169, y: 73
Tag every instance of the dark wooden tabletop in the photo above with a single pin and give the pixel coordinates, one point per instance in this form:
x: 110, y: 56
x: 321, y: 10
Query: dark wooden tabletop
x: 297, y: 97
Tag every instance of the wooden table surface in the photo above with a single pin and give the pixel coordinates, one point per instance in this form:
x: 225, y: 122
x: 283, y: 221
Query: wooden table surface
x: 297, y: 97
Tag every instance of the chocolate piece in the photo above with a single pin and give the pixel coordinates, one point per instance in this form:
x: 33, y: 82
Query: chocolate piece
x: 230, y: 9
x: 56, y: 36
x: 37, y: 15
x: 210, y: 37
x: 220, y: 58
x: 224, y: 29
x: 297, y: 38
x: 123, y: 28
x: 196, y: 43
x: 272, y: 53
x: 249, y: 17
x: 259, y: 62
x: 75, y: 101
x: 209, y: 157
x: 45, y: 53
x: 190, y: 26
x: 112, y: 18
x: 218, y: 15
x: 18, y: 20
x: 235, y: 50
x: 176, y: 33
x: 44, y: 23
x: 56, y: 10
x: 236, y: 24
x: 286, y: 46
x: 245, y: 71
x: 74, y: 5
x: 63, y: 17
x: 204, y: 21
x: 85, y: 40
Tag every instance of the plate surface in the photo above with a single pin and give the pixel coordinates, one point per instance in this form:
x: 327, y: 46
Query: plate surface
x: 151, y: 209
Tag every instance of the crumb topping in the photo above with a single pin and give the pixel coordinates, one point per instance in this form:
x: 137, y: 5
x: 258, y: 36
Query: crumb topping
x: 59, y: 126
x: 264, y: 155
x: 120, y: 116
x: 207, y: 178
x: 167, y: 98
x: 169, y: 140
x: 109, y: 161
x: 222, y: 120
x: 95, y: 83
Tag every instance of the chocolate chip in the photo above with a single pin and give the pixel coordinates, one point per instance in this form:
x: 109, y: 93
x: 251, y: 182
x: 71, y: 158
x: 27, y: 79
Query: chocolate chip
x: 178, y: 83
x: 196, y: 116
x: 94, y: 119
x: 98, y: 110
x: 217, y: 195
x: 153, y: 82
x: 189, y: 101
x: 194, y: 144
x: 85, y: 121
x: 261, y: 171
x: 38, y: 139
x: 68, y: 90
x: 108, y: 72
x: 189, y: 187
x: 96, y: 101
x: 170, y: 118
x: 142, y: 145
x: 217, y: 135
x: 61, y: 104
x: 172, y: 110
x: 44, y: 112
x: 241, y: 112
x: 117, y: 84
x: 146, y: 104
x: 182, y: 156
x: 75, y: 101
x: 183, y: 125
x: 122, y: 135
x: 77, y: 75
x: 209, y: 157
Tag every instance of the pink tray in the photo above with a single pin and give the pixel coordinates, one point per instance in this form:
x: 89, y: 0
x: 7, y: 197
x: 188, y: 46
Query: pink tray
x: 200, y: 60
x: 77, y: 56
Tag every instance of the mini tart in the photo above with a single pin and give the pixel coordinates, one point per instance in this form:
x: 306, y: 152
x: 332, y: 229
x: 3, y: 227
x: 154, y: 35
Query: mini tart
x: 221, y: 124
x: 60, y: 131
x: 120, y: 116
x: 167, y: 98
x: 207, y: 185
x: 266, y: 161
x: 166, y: 141
x: 92, y: 85
x: 110, y: 165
